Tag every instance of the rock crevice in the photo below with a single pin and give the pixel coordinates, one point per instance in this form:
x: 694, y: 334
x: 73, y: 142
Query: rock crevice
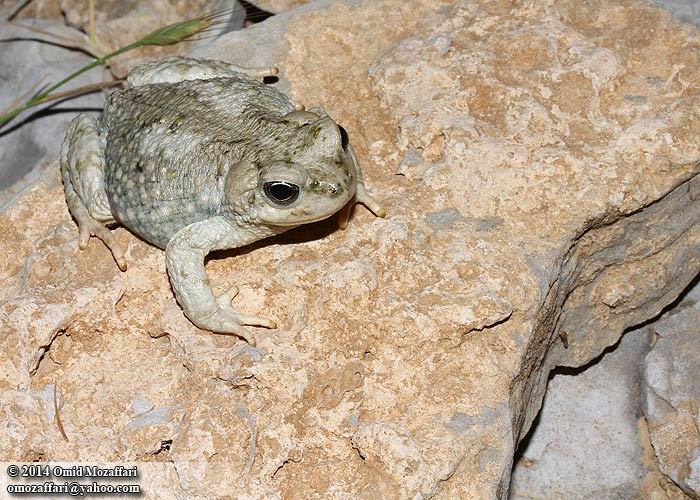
x: 618, y: 273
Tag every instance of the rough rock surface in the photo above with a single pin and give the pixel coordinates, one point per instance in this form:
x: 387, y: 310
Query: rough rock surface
x: 539, y: 163
x: 49, y: 10
x: 672, y: 394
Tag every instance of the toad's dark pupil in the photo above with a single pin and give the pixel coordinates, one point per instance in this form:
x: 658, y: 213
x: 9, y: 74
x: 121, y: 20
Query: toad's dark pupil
x: 282, y: 193
x: 344, y: 140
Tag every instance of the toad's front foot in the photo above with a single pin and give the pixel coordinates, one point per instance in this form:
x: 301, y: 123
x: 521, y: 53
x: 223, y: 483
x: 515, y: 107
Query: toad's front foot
x: 225, y: 320
x: 184, y: 260
x: 363, y: 197
x: 82, y: 169
x: 90, y: 227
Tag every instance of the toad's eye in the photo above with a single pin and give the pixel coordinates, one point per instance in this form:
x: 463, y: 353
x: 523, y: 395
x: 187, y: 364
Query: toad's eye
x: 280, y: 192
x: 344, y: 139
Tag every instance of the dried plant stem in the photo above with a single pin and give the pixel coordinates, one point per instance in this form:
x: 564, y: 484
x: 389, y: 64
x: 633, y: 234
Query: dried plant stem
x: 56, y: 414
x: 63, y: 41
x: 15, y: 9
x: 91, y: 25
x: 20, y: 98
x: 82, y: 90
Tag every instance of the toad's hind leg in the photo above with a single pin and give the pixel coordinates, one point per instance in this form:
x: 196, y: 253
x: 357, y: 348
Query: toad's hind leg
x: 82, y: 170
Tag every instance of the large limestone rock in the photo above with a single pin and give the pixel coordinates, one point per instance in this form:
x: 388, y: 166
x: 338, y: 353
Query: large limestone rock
x: 687, y: 10
x: 539, y: 163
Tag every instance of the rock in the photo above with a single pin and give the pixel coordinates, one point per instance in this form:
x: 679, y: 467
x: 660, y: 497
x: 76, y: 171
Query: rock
x: 598, y: 409
x: 277, y: 6
x: 672, y: 395
x: 584, y: 413
x: 119, y: 23
x: 33, y: 139
x: 48, y: 10
x: 687, y: 10
x: 552, y: 189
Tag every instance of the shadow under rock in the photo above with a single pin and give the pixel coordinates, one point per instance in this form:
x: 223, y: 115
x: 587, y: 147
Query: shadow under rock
x: 254, y: 14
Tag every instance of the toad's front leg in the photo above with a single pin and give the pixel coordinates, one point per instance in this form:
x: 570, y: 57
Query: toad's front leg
x: 83, y: 172
x: 184, y: 257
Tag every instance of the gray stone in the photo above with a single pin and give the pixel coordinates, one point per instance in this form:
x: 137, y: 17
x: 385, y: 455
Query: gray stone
x: 672, y: 393
x: 33, y: 139
x: 586, y: 443
x: 685, y: 10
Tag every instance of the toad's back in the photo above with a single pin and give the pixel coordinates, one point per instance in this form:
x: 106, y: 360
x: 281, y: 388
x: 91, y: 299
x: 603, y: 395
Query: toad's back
x: 168, y: 148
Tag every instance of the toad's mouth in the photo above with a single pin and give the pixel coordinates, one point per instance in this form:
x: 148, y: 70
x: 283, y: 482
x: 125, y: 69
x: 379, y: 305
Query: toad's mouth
x: 304, y: 220
x: 299, y: 217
